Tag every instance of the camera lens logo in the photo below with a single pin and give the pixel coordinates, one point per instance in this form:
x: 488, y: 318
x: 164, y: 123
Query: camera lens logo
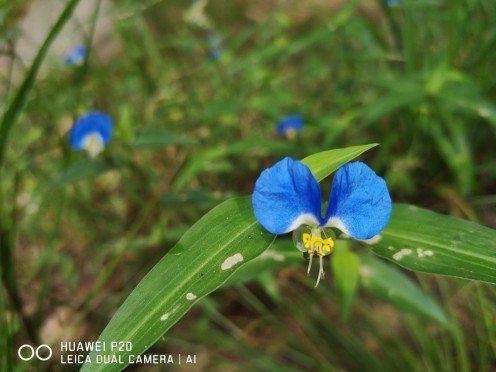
x: 28, y: 355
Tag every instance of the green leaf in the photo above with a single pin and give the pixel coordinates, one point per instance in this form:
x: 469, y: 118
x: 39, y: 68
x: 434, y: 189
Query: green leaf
x: 199, y: 263
x: 424, y: 241
x: 282, y: 253
x: 197, y: 197
x: 80, y: 171
x: 403, y: 94
x: 389, y: 284
x: 324, y: 163
x: 346, y: 268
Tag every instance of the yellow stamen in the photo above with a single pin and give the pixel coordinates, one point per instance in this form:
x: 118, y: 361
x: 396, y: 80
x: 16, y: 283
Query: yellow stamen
x: 307, y: 240
x: 315, y: 245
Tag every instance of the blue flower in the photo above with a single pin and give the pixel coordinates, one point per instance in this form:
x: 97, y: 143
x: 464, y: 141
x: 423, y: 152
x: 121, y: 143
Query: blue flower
x: 91, y: 133
x: 289, y: 126
x: 76, y: 55
x: 392, y: 2
x: 287, y: 197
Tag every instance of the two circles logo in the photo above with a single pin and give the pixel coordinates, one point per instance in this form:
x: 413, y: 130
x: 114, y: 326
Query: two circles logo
x: 31, y: 352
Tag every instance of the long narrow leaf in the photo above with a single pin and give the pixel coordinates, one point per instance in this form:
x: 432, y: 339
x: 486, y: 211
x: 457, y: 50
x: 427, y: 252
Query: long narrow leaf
x: 421, y: 240
x: 200, y: 262
x: 388, y: 283
x: 324, y: 163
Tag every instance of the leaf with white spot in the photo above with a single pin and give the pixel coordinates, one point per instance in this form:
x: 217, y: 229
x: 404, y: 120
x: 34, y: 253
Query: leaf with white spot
x: 200, y: 262
x: 231, y: 261
x: 424, y: 241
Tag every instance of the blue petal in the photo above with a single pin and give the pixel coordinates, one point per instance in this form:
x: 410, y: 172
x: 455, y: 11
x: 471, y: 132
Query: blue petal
x: 286, y: 196
x: 360, y: 205
x: 93, y: 122
x: 289, y: 123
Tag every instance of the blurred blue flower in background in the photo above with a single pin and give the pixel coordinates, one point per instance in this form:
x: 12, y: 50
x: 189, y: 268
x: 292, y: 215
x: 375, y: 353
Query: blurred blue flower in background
x: 290, y: 126
x: 392, y: 2
x: 287, y: 197
x: 215, y: 45
x: 91, y: 133
x: 76, y: 55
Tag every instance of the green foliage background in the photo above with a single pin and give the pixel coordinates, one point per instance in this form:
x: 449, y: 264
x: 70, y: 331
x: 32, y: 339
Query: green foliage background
x: 192, y: 131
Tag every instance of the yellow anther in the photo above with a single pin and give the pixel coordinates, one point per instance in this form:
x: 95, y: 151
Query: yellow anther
x: 329, y: 242
x: 317, y: 242
x: 307, y: 240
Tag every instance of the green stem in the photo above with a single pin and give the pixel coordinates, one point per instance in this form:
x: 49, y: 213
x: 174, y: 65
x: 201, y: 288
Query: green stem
x: 8, y: 278
x: 89, y: 47
x: 15, y: 108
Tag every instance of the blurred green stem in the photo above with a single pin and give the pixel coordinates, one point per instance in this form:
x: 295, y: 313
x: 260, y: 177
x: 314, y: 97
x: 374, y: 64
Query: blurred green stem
x: 89, y: 43
x: 7, y: 122
x: 9, y: 280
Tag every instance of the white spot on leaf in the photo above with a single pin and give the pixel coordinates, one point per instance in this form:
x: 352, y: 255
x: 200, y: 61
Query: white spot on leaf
x: 190, y: 296
x: 422, y: 253
x: 404, y: 252
x: 231, y: 261
x: 168, y: 314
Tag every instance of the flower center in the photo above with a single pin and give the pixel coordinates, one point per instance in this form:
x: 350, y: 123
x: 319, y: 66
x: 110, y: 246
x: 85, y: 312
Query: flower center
x: 291, y: 134
x: 93, y: 144
x: 314, y: 241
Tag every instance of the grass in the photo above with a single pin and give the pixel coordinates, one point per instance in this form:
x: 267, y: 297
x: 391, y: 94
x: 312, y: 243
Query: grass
x: 192, y: 131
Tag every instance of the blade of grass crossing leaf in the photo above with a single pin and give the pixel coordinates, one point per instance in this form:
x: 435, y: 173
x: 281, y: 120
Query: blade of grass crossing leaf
x: 388, y: 283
